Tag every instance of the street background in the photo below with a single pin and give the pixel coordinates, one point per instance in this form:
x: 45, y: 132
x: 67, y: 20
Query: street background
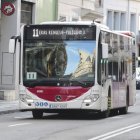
x: 15, y: 125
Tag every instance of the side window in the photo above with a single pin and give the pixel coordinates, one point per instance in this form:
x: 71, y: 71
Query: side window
x: 110, y: 72
x: 121, y: 43
x: 122, y: 73
x: 126, y: 44
x: 133, y: 63
x: 105, y: 38
x: 115, y: 57
x: 26, y: 12
x: 122, y: 62
x: 115, y: 71
x: 109, y: 37
x: 115, y: 45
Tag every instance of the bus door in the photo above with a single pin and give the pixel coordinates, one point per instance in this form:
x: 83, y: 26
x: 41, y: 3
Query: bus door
x: 122, y: 80
x: 115, y: 83
x: 104, y: 80
x: 115, y: 70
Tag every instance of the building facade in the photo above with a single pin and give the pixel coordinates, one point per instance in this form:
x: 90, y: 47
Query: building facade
x: 123, y: 15
x: 25, y: 12
x: 32, y: 12
x: 117, y: 14
x: 74, y: 10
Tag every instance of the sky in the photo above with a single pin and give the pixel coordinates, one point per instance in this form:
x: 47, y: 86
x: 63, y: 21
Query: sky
x: 72, y: 49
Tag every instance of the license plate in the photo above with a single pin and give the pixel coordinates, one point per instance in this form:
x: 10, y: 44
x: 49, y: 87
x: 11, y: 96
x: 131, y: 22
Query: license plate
x: 55, y: 106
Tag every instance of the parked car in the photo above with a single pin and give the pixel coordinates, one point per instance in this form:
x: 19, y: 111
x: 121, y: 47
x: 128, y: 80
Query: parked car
x: 138, y: 78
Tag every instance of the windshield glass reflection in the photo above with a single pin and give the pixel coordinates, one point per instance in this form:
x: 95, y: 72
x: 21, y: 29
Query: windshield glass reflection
x: 66, y: 62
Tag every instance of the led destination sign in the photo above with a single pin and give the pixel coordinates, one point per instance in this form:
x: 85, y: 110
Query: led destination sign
x: 59, y: 32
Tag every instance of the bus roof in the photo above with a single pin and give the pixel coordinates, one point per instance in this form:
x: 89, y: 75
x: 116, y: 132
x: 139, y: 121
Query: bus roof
x: 88, y: 23
x: 75, y: 23
x: 127, y: 33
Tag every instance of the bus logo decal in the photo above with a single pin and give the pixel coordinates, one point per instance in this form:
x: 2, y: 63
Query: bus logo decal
x: 41, y: 104
x: 58, y: 98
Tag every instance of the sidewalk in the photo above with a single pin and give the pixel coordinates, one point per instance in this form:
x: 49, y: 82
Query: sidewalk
x: 8, y: 106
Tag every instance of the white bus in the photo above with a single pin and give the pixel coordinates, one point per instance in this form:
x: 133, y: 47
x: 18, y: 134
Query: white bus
x: 67, y: 67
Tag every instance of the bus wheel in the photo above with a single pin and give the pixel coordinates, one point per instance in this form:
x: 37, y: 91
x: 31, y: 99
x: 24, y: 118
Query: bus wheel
x: 106, y: 113
x: 37, y: 114
x: 123, y: 110
x: 114, y: 112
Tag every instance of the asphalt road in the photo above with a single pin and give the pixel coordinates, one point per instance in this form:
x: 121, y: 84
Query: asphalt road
x: 21, y: 126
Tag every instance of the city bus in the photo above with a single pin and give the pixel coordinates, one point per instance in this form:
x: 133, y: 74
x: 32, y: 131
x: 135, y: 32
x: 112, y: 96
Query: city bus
x: 65, y: 67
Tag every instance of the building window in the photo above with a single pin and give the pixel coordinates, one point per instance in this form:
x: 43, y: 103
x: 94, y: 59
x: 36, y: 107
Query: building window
x: 133, y: 23
x: 116, y: 20
x: 100, y: 3
x: 110, y: 19
x: 26, y: 12
x: 123, y: 21
x: 116, y: 25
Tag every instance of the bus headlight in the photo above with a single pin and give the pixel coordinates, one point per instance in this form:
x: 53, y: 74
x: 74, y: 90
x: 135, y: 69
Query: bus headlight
x: 91, y: 98
x: 25, y: 98
x: 22, y: 97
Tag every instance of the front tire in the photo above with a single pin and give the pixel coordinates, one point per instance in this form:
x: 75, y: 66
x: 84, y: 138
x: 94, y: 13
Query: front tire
x: 37, y: 114
x: 106, y: 113
x: 124, y: 110
x: 114, y: 112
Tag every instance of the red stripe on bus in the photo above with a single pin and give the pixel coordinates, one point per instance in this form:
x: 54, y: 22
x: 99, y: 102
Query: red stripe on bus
x: 50, y: 93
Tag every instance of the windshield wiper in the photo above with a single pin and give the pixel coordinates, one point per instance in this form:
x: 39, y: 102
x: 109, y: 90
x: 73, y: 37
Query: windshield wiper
x: 58, y: 82
x: 72, y: 82
x: 48, y: 82
x: 75, y: 82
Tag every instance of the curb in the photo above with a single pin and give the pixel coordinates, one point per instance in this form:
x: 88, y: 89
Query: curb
x: 9, y: 111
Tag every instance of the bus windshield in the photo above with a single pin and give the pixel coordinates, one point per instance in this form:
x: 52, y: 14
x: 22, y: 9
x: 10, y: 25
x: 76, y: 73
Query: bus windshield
x: 59, y: 62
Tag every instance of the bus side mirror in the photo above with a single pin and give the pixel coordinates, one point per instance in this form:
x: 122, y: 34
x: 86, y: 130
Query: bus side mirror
x: 104, y: 50
x: 137, y: 58
x: 12, y: 45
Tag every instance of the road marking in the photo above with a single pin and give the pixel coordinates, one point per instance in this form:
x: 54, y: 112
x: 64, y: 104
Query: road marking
x: 19, y: 117
x: 23, y: 117
x: 19, y: 124
x: 116, y: 117
x: 116, y: 132
x: 119, y: 133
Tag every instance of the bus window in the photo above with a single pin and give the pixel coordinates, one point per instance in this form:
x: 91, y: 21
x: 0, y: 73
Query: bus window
x: 121, y: 71
x: 115, y: 45
x: 121, y: 43
x: 115, y: 71
x: 109, y: 69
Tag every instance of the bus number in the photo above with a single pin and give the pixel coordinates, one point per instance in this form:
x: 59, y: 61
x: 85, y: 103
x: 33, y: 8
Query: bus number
x: 35, y: 33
